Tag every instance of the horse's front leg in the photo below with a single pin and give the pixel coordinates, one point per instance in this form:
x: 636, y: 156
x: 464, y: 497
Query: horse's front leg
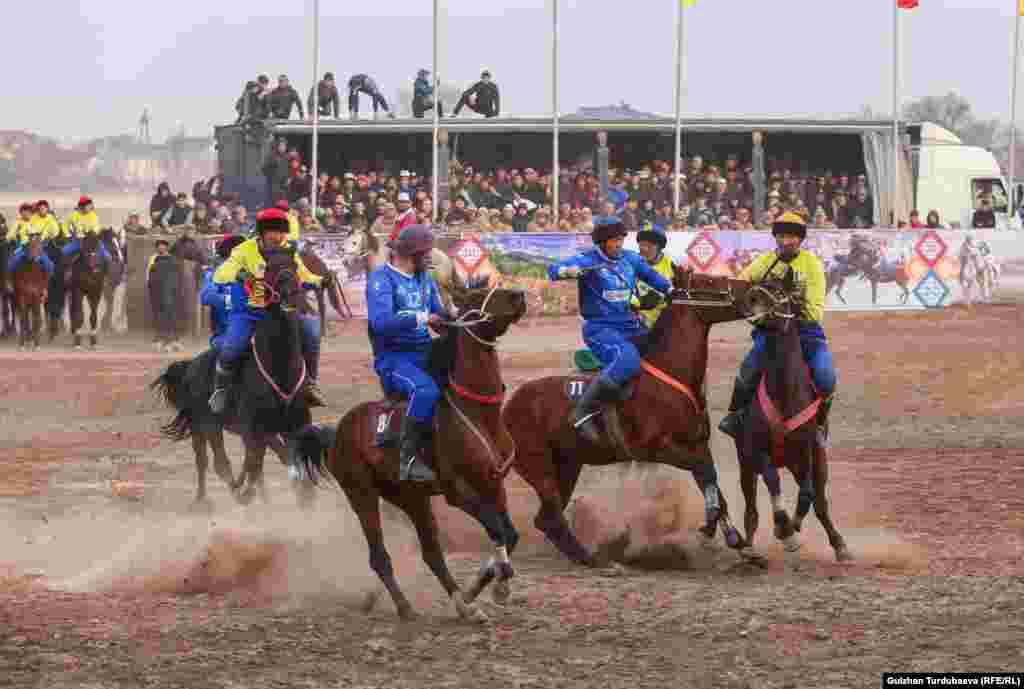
x: 699, y: 462
x: 94, y: 316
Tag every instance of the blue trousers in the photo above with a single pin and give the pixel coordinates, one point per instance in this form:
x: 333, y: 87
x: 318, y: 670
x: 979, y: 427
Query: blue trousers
x: 815, y: 351
x: 614, y: 348
x: 21, y: 253
x: 76, y: 245
x: 234, y: 343
x: 406, y: 373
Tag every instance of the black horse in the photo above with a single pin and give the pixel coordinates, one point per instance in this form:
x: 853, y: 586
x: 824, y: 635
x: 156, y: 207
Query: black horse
x: 265, y: 406
x: 56, y: 293
x: 7, y: 308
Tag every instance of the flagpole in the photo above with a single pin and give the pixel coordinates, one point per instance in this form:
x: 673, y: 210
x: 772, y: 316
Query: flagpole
x: 677, y: 192
x: 1013, y: 105
x: 316, y: 107
x: 555, y: 173
x: 895, y: 110
x: 437, y: 107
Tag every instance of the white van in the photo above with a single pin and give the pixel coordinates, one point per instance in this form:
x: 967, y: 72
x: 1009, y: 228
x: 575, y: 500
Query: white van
x: 952, y: 178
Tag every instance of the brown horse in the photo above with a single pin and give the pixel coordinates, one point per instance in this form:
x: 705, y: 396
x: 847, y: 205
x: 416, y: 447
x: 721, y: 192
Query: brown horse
x: 30, y: 282
x: 779, y: 428
x: 665, y: 421
x: 8, y: 310
x: 88, y: 273
x: 471, y: 452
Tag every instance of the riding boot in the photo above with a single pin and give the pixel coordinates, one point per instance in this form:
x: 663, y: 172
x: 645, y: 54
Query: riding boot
x: 413, y: 441
x: 222, y: 379
x: 742, y: 395
x: 311, y: 390
x: 600, y: 390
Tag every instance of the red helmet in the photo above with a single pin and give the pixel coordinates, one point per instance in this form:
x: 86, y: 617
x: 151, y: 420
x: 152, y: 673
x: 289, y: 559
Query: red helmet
x: 272, y: 219
x: 84, y: 201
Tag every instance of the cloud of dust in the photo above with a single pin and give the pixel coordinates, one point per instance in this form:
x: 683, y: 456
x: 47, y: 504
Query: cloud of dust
x: 275, y: 551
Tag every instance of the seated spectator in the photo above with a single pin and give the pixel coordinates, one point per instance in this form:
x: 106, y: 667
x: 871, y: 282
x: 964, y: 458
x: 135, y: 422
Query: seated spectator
x: 505, y: 220
x: 423, y: 95
x: 240, y: 221
x: 330, y: 221
x: 725, y: 223
x: 984, y: 218
x: 663, y: 218
x: 586, y: 221
x: 840, y: 214
x: 385, y: 222
x: 933, y: 221
x: 743, y: 219
x: 821, y: 221
x: 457, y: 214
x: 679, y: 221
x: 521, y: 220
x: 610, y: 214
x: 482, y: 97
x: 178, y: 214
x: 425, y: 208
x: 766, y: 220
x: 307, y: 222
x: 252, y: 104
x: 540, y: 221
x: 359, y: 220
x: 324, y: 97
x: 162, y: 201
x: 132, y: 225
x: 915, y: 220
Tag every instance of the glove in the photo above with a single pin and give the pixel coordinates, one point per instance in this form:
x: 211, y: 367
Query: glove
x: 569, y: 272
x: 227, y: 302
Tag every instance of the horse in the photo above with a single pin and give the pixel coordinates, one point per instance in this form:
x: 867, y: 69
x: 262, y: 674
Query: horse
x: 876, y: 269
x: 780, y: 428
x: 88, y: 273
x: 664, y: 422
x: 30, y: 280
x: 8, y: 309
x: 472, y: 452
x: 115, y: 278
x: 56, y: 293
x: 265, y: 405
x: 976, y: 272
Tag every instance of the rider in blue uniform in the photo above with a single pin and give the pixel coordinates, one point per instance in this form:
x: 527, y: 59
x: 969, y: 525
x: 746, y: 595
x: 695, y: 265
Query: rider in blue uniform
x: 608, y: 277
x: 402, y: 300
x: 218, y: 297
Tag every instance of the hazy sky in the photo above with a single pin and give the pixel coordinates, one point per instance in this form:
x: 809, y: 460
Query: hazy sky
x: 83, y: 68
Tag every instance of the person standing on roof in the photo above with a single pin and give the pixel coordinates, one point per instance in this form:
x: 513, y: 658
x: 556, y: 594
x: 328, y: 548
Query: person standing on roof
x: 482, y: 97
x: 282, y: 98
x: 362, y: 83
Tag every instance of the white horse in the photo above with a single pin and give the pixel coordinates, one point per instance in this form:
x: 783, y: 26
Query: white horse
x: 976, y: 273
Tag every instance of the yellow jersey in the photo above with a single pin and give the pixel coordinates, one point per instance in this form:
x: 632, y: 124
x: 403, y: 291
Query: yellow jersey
x: 664, y: 267
x: 48, y: 226
x: 247, y: 257
x: 810, y: 276
x: 80, y: 224
x: 20, y: 231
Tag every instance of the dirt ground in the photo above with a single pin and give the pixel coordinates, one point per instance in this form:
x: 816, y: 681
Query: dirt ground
x: 108, y: 579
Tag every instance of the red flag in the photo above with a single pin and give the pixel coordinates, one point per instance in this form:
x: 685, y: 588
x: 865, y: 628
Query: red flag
x: 907, y: 4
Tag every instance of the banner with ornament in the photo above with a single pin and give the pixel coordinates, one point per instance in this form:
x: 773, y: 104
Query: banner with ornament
x: 865, y: 270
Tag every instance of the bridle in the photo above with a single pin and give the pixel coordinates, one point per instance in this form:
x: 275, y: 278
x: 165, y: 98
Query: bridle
x: 775, y: 310
x: 472, y: 317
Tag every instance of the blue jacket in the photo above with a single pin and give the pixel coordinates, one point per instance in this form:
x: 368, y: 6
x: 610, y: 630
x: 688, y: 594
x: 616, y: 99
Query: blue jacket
x: 398, y: 306
x: 618, y: 197
x: 217, y: 298
x: 422, y: 88
x: 605, y: 292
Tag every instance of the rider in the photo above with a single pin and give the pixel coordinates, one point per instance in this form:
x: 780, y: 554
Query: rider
x: 608, y: 277
x: 247, y: 265
x: 47, y: 223
x: 21, y: 229
x: 402, y: 300
x: 218, y: 297
x: 648, y: 302
x: 82, y: 222
x: 24, y: 232
x: 790, y: 231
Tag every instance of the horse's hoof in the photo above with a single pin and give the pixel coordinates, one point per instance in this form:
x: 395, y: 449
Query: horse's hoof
x: 369, y: 602
x: 501, y: 592
x: 406, y: 613
x: 791, y: 544
x: 611, y: 569
x: 707, y: 542
x: 750, y: 555
x: 844, y: 555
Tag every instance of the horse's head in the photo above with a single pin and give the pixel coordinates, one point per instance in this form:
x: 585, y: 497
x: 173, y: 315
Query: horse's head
x: 713, y: 298
x: 487, y: 312
x: 35, y: 245
x: 90, y: 251
x: 775, y: 303
x: 281, y: 279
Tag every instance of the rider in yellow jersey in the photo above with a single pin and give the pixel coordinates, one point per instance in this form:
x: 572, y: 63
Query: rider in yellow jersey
x: 652, y: 243
x: 22, y: 228
x: 80, y: 223
x: 48, y: 226
x: 790, y: 231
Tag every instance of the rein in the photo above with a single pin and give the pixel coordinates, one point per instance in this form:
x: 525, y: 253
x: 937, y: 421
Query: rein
x: 285, y: 397
x: 466, y: 323
x: 501, y: 466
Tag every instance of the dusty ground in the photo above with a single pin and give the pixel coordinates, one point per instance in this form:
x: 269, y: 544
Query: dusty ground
x: 108, y: 580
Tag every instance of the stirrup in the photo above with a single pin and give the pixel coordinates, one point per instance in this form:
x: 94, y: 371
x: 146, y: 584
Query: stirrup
x: 586, y: 427
x: 731, y: 424
x: 416, y: 471
x: 218, y: 400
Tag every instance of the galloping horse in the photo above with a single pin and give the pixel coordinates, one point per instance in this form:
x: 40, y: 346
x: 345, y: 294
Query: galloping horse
x: 471, y: 452
x: 665, y: 422
x: 867, y: 258
x: 88, y: 273
x: 780, y: 429
x: 265, y: 404
x: 7, y: 306
x: 30, y: 281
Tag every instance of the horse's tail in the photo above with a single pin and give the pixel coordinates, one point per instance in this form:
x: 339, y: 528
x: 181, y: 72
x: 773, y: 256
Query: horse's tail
x: 172, y: 387
x: 312, y: 445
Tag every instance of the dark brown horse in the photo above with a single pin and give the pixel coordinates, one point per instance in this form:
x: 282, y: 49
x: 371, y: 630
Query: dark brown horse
x: 88, y: 271
x: 780, y: 429
x: 471, y: 452
x: 30, y: 281
x: 665, y: 421
x: 264, y: 407
x: 8, y: 309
